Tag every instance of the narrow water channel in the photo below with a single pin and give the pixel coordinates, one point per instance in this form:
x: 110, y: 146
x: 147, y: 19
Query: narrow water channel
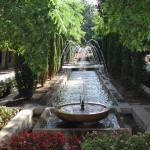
x: 85, y: 84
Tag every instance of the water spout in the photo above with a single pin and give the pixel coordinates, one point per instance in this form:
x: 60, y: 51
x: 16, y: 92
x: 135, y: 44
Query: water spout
x: 81, y: 103
x: 99, y: 52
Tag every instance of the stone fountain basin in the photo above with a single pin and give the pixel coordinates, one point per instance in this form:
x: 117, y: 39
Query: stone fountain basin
x: 72, y: 112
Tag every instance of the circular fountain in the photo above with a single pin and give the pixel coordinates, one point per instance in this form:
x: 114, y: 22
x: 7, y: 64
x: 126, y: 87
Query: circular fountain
x: 86, y: 113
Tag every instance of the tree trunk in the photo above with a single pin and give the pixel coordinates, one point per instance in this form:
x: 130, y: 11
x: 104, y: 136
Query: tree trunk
x: 3, y: 61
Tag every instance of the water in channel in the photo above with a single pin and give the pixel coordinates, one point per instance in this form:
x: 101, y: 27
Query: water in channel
x: 84, y: 84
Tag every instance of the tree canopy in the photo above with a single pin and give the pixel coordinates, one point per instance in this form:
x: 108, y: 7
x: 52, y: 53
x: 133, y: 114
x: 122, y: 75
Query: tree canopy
x: 130, y: 19
x: 88, y: 15
x: 29, y: 26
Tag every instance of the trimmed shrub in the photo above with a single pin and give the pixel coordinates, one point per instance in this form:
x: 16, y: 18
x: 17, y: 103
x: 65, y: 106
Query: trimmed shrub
x: 26, y: 81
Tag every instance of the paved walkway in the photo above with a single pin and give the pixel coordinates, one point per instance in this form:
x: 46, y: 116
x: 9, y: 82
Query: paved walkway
x: 148, y: 66
x: 6, y: 74
x: 39, y: 93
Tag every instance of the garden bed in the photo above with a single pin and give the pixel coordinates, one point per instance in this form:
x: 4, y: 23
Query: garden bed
x: 6, y: 114
x: 110, y: 140
x: 21, y: 122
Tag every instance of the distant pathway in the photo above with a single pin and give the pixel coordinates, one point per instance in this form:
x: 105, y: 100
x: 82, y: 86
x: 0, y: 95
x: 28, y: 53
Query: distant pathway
x: 6, y: 74
x: 148, y: 66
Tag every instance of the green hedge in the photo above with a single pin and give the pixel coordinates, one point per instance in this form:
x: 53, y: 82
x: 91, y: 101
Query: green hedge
x: 116, y: 140
x: 6, y: 114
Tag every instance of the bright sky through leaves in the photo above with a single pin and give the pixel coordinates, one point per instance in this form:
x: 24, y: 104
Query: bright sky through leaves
x: 92, y: 1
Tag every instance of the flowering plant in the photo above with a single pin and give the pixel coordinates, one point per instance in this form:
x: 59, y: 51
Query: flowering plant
x: 74, y: 142
x: 116, y: 140
x: 37, y: 141
x: 6, y: 114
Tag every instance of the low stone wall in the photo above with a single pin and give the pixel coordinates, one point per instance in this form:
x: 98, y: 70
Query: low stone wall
x: 21, y: 122
x: 46, y: 116
x: 146, y: 89
x: 141, y: 116
x: 55, y: 90
x: 139, y: 113
x: 111, y: 90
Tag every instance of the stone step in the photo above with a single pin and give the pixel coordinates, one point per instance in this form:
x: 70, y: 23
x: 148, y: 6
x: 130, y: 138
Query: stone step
x: 141, y: 116
x: 9, y: 98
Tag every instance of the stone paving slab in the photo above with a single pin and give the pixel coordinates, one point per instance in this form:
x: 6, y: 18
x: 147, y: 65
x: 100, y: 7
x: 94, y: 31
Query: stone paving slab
x: 146, y: 90
x: 141, y: 113
x: 146, y: 107
x: 142, y: 116
x: 8, y: 98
